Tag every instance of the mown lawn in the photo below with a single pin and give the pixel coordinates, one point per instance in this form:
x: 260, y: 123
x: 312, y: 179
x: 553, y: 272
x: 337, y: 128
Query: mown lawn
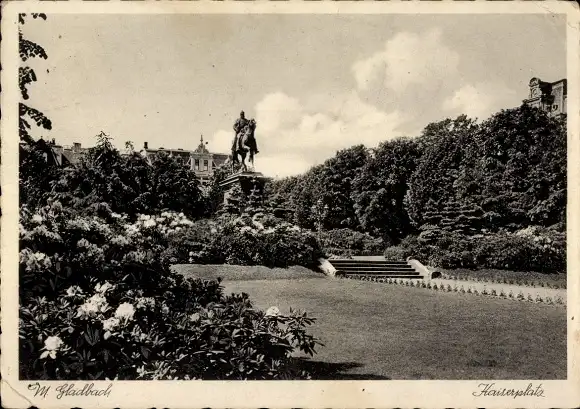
x: 374, y: 331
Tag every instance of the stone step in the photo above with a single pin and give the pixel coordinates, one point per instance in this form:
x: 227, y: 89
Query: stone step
x: 359, y: 276
x: 383, y: 271
x: 367, y: 263
x: 365, y: 267
x: 379, y: 272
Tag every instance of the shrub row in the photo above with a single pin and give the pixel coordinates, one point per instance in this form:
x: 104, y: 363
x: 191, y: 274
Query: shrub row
x: 261, y: 239
x: 531, y: 249
x: 348, y: 242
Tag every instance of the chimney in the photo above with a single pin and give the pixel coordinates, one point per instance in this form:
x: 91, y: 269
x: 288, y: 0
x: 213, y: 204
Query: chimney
x: 53, y: 141
x: 76, y: 147
x: 145, y: 145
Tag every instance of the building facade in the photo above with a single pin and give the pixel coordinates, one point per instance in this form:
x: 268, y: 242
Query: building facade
x: 60, y: 155
x: 201, y: 160
x: 550, y: 97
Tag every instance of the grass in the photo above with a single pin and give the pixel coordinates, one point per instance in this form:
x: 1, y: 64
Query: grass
x: 527, y: 278
x: 243, y: 273
x: 393, y: 332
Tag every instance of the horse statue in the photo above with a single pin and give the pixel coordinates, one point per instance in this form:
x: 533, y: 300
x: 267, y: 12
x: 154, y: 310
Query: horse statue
x: 244, y: 145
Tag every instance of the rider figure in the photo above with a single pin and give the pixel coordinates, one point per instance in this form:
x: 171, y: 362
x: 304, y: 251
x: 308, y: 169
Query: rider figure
x: 241, y: 126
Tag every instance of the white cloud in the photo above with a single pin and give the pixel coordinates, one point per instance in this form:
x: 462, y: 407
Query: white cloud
x: 278, y: 110
x: 479, y: 100
x: 280, y: 166
x: 407, y: 59
x: 221, y: 141
x: 292, y: 136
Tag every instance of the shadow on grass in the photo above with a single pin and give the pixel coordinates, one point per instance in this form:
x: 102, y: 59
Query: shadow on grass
x: 335, y: 371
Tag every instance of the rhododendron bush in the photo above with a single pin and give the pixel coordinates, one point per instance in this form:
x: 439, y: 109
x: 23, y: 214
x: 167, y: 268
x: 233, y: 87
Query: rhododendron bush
x: 259, y: 239
x: 99, y: 301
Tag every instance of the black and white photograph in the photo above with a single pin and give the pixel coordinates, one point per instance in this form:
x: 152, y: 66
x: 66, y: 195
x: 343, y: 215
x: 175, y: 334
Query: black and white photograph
x: 316, y: 195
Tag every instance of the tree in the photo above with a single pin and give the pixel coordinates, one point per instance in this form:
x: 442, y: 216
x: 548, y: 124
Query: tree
x: 379, y: 189
x: 516, y: 167
x: 335, y: 190
x: 432, y: 185
x: 175, y: 186
x: 215, y: 193
x: 36, y: 171
x: 26, y: 76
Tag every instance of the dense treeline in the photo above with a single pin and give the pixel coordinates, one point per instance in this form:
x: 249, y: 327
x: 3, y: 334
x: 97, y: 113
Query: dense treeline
x: 128, y: 183
x: 509, y: 170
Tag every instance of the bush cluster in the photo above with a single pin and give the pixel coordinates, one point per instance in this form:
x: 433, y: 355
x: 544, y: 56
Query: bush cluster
x: 531, y: 249
x: 98, y: 301
x: 261, y: 239
x: 349, y: 242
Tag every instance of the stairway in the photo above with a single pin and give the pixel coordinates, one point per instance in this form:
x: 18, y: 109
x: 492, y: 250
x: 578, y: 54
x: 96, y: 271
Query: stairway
x: 360, y: 268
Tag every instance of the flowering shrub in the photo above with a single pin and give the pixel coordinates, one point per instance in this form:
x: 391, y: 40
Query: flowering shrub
x: 116, y: 332
x: 530, y: 249
x: 98, y: 301
x: 261, y: 239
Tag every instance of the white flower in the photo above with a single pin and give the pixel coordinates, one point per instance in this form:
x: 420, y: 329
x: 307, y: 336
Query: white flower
x: 145, y: 302
x: 160, y: 219
x: 34, y: 261
x: 37, y: 218
x: 195, y: 317
x: 97, y: 303
x: 103, y: 288
x: 74, y: 291
x: 165, y: 309
x: 51, y: 346
x: 149, y: 223
x: 116, y: 215
x: 272, y: 311
x: 52, y: 343
x: 125, y: 311
x: 111, y: 324
x: 119, y: 240
x: 83, y: 243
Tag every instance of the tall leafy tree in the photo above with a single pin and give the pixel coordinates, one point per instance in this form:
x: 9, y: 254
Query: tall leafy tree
x: 36, y: 171
x: 380, y: 188
x: 338, y: 174
x: 26, y: 76
x: 515, y: 166
x: 175, y: 186
x: 432, y: 185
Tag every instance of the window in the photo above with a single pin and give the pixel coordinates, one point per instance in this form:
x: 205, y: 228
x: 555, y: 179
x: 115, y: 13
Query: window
x: 197, y: 164
x: 205, y: 165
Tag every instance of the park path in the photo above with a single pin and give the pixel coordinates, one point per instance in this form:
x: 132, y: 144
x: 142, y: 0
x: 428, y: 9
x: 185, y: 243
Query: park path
x: 557, y: 295
x: 534, y: 292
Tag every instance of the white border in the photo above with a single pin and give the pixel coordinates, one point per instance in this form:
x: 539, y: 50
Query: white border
x: 344, y: 394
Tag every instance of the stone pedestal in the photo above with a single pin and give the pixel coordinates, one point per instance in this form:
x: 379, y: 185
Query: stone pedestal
x: 249, y: 183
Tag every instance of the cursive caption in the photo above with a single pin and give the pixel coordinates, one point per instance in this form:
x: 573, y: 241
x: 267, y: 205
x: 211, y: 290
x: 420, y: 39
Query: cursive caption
x: 490, y: 389
x: 69, y: 389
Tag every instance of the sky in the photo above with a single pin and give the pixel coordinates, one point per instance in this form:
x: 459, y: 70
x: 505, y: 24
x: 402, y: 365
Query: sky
x: 314, y: 83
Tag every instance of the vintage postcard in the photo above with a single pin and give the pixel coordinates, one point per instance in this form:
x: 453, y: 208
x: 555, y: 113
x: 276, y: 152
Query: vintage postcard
x: 290, y: 204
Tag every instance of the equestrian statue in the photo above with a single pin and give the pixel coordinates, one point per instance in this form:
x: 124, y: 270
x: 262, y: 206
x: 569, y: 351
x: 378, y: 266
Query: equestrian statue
x: 244, y: 143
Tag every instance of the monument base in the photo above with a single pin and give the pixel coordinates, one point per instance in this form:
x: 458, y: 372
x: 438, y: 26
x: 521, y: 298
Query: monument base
x: 250, y: 184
